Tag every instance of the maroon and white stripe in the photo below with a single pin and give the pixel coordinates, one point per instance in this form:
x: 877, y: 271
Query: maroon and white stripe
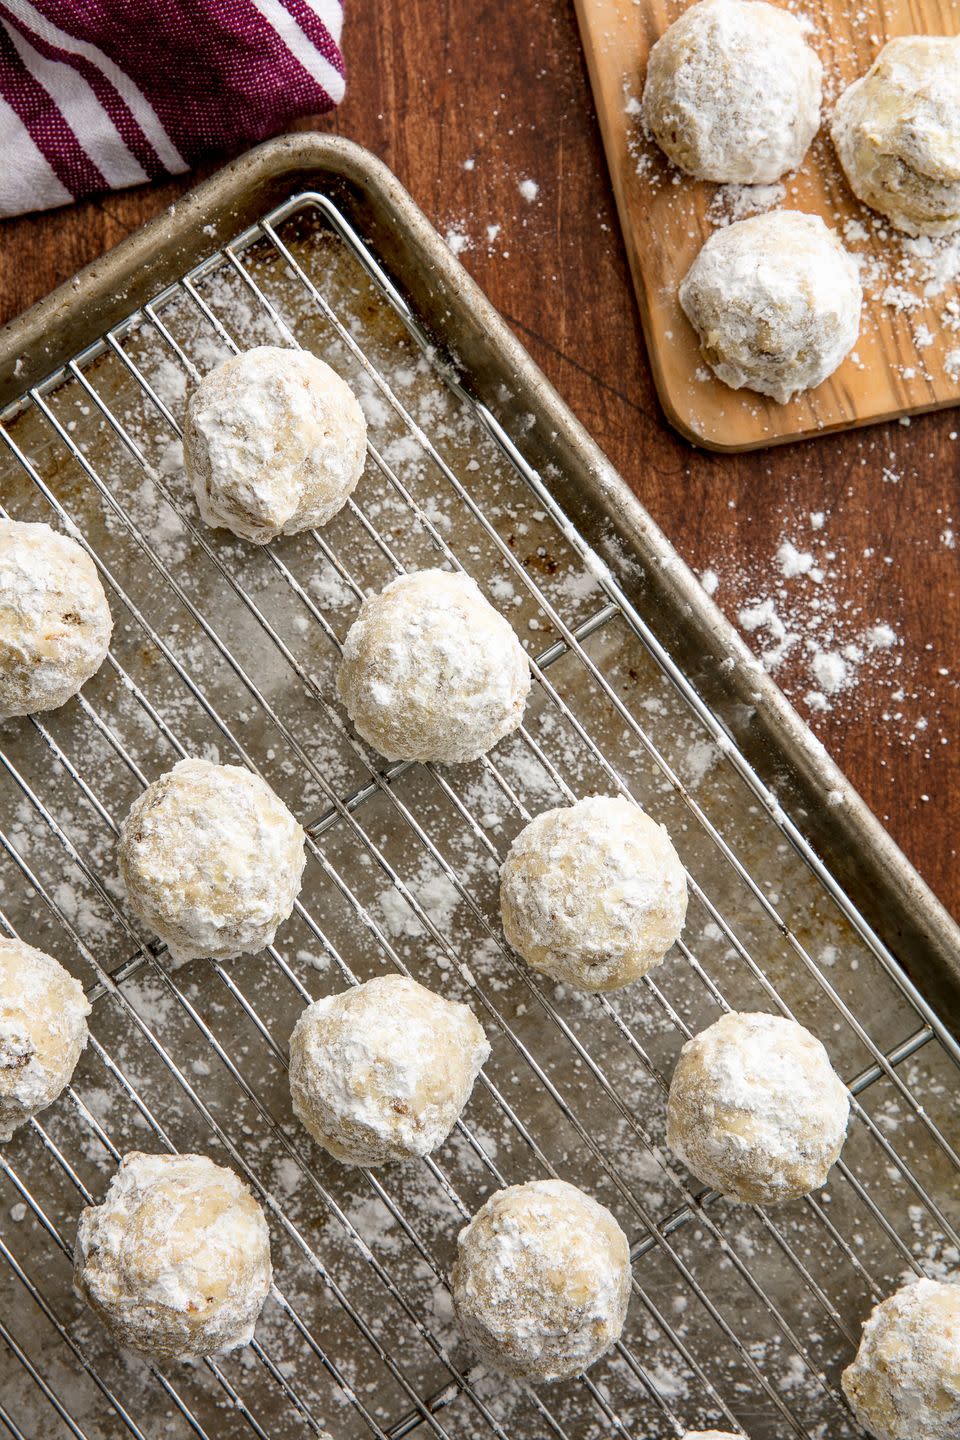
x: 107, y: 93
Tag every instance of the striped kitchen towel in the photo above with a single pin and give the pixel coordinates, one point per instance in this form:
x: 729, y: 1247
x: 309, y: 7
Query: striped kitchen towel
x: 98, y: 94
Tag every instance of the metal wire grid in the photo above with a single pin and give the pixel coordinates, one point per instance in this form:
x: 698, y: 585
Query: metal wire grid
x: 656, y: 1236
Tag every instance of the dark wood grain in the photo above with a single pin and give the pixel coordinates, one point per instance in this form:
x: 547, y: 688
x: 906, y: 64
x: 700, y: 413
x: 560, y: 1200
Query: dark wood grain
x: 434, y: 85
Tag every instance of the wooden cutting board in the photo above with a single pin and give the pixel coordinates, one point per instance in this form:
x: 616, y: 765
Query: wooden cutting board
x: 908, y: 356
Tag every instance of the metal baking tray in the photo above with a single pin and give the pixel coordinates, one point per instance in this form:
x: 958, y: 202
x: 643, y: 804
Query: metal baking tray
x: 800, y: 901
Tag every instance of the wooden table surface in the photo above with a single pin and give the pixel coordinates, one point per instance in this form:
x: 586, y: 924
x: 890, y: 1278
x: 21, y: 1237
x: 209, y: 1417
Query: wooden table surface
x: 466, y: 103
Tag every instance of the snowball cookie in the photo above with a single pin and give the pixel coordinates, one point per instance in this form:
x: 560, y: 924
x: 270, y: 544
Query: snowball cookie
x: 211, y: 860
x: 542, y: 1280
x: 897, y: 133
x: 430, y: 671
x: 593, y: 894
x: 55, y: 622
x: 905, y: 1381
x: 775, y: 301
x: 381, y: 1072
x: 733, y: 92
x: 274, y: 442
x: 756, y: 1110
x: 176, y: 1261
x: 43, y: 1028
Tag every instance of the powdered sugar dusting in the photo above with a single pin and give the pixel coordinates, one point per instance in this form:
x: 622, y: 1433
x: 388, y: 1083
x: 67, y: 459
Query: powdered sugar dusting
x: 542, y: 1280
x: 171, y: 1230
x: 903, y: 1381
x: 321, y: 1198
x: 198, y: 810
x: 419, y: 628
x: 756, y: 124
x: 755, y: 1109
x: 383, y: 1071
x: 593, y: 894
x: 830, y: 653
x: 55, y: 622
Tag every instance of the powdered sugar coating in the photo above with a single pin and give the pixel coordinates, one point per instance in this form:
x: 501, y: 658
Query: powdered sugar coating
x: 55, y: 623
x: 775, y: 301
x: 593, y: 894
x: 274, y: 443
x: 897, y: 134
x: 733, y: 92
x: 756, y: 1110
x: 381, y: 1072
x: 905, y: 1381
x: 711, y: 1435
x: 430, y: 671
x: 541, y: 1283
x: 43, y: 1029
x: 212, y: 860
x: 176, y: 1261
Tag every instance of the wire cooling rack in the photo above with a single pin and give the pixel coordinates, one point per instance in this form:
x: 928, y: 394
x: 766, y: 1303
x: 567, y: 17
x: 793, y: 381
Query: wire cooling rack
x: 740, y: 1318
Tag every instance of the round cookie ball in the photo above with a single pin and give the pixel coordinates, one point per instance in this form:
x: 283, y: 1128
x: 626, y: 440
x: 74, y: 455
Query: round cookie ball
x: 756, y: 1110
x: 43, y: 1028
x: 897, y: 134
x: 211, y: 859
x: 430, y: 671
x: 381, y: 1072
x: 176, y: 1261
x: 733, y: 92
x: 905, y: 1380
x: 541, y: 1282
x: 775, y: 301
x: 274, y: 442
x: 593, y: 894
x: 55, y: 622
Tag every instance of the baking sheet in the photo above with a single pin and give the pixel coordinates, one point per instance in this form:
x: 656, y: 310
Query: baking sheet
x: 604, y: 1134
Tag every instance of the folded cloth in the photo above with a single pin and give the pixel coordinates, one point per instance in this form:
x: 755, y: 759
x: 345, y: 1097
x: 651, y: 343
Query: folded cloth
x: 98, y: 94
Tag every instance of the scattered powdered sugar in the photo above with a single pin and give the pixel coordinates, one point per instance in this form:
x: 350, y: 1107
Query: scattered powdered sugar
x: 830, y: 671
x: 910, y: 277
x: 458, y: 241
x: 437, y: 895
x: 793, y: 562
x: 469, y: 229
x: 730, y: 203
x: 935, y: 262
x: 763, y: 618
x: 828, y: 652
x: 469, y: 961
x: 881, y: 637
